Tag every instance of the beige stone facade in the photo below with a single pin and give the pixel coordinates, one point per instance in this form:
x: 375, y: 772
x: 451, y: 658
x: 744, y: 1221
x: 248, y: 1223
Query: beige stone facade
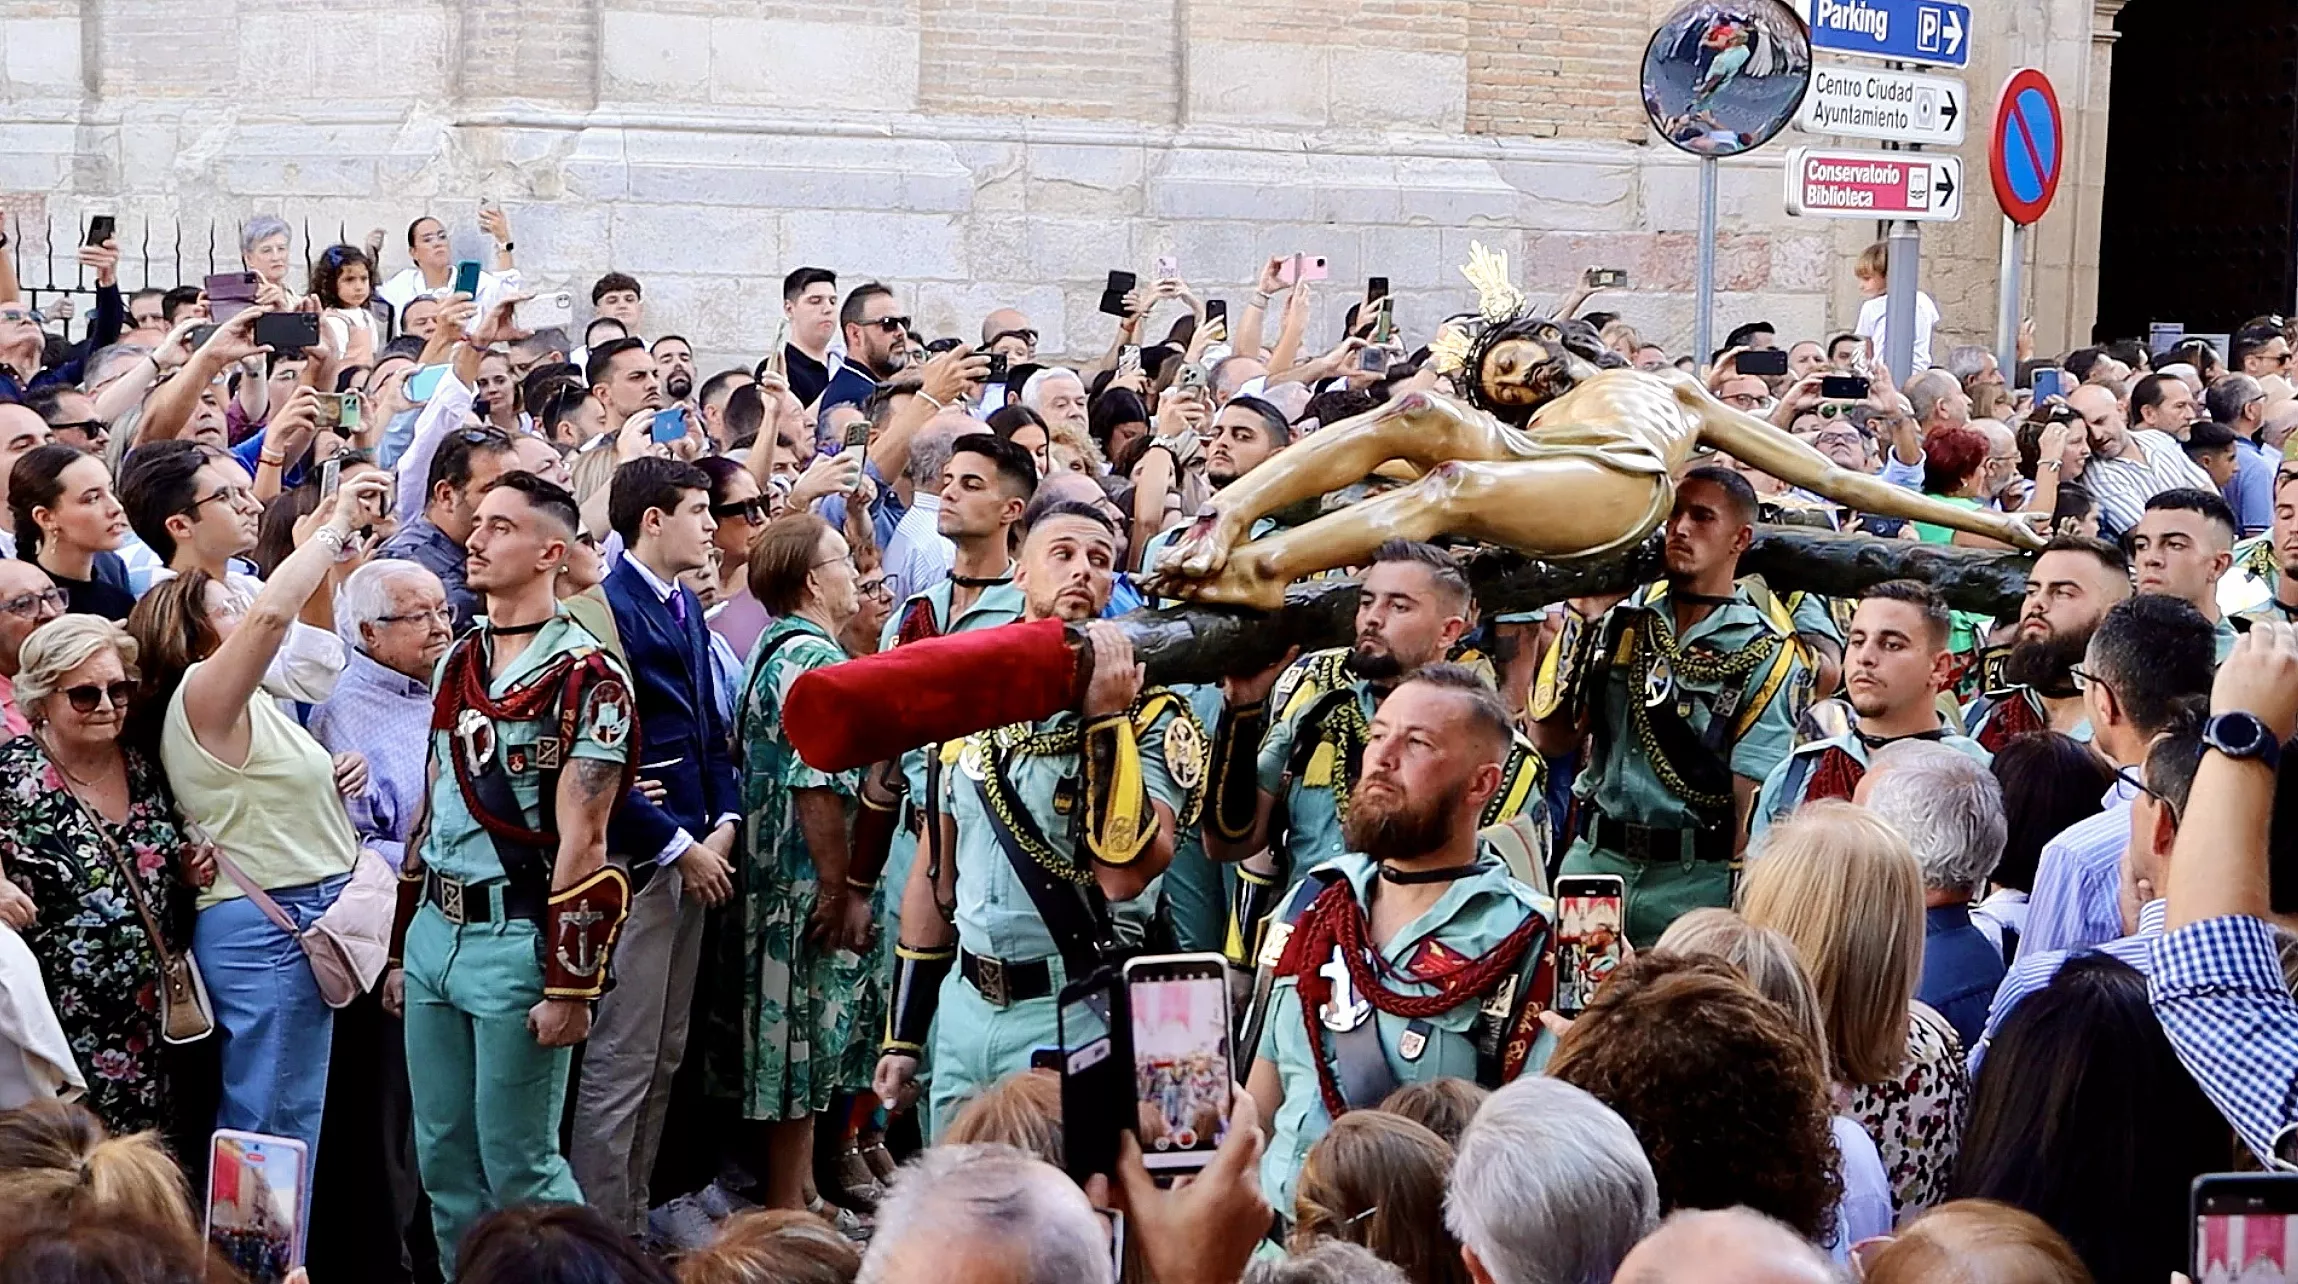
x: 976, y: 152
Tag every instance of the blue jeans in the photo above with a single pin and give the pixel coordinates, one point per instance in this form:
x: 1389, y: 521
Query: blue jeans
x: 277, y: 1031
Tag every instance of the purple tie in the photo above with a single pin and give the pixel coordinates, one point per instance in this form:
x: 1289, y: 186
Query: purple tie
x: 677, y: 605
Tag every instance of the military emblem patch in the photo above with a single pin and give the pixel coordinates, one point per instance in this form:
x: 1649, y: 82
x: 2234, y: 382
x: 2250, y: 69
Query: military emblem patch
x: 1185, y: 752
x: 475, y: 740
x: 607, y: 718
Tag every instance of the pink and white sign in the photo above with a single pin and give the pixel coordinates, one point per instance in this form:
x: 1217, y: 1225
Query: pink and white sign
x: 1837, y: 184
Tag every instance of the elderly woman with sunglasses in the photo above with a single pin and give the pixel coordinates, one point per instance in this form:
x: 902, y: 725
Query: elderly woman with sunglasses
x: 740, y: 509
x: 87, y: 828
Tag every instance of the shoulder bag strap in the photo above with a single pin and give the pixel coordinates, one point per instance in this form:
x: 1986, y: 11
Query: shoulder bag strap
x: 119, y: 860
x: 256, y: 896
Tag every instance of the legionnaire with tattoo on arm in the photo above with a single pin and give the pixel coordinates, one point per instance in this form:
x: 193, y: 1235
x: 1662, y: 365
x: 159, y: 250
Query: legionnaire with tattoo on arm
x: 1684, y: 688
x: 1047, y: 824
x: 508, y: 911
x: 1286, y: 756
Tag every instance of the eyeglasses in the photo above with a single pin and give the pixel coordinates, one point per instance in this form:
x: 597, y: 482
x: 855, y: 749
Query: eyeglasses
x: 877, y: 588
x: 1839, y: 437
x: 2085, y: 679
x: 752, y: 511
x: 2136, y: 779
x: 28, y: 606
x: 90, y: 427
x: 233, y: 495
x: 24, y: 316
x: 846, y: 560
x: 438, y: 613
x: 1835, y: 409
x: 85, y: 699
x: 891, y: 325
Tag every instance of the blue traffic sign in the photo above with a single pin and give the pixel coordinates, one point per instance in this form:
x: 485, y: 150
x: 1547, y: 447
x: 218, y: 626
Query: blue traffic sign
x: 1929, y: 31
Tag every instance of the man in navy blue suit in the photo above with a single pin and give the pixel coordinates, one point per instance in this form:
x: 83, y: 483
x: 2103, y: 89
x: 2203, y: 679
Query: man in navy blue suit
x: 677, y: 845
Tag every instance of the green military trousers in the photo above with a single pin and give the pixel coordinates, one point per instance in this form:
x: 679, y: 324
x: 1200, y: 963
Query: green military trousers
x: 1659, y: 892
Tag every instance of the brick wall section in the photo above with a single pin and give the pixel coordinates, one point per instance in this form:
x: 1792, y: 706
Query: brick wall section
x: 1413, y: 26
x: 1090, y: 59
x: 1566, y: 69
x: 542, y: 50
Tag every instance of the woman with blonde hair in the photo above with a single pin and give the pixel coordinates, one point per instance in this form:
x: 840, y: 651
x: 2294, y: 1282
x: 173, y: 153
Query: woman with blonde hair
x: 1768, y: 961
x: 1844, y: 888
x: 773, y: 1246
x: 56, y: 1161
x: 1974, y: 1241
x: 1021, y: 1110
x: 1378, y: 1180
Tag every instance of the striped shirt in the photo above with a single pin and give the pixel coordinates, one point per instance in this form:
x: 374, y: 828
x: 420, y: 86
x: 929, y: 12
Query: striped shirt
x: 2030, y: 974
x: 2077, y: 898
x: 2217, y: 988
x: 2154, y: 463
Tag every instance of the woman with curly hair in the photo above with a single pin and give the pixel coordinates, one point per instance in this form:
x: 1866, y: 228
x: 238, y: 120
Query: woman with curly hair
x: 1377, y: 1180
x: 1728, y: 1098
x: 1845, y: 888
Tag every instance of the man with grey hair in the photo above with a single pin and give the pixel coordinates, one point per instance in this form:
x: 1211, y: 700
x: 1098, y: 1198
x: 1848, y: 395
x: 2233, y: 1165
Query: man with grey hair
x: 1939, y: 401
x: 2239, y: 403
x: 1231, y: 373
x: 1549, y: 1186
x: 1058, y: 396
x: 918, y: 556
x: 1725, y: 1246
x: 1949, y: 808
x: 983, y: 1214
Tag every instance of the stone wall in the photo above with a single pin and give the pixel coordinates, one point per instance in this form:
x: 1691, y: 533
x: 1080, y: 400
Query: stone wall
x: 971, y: 152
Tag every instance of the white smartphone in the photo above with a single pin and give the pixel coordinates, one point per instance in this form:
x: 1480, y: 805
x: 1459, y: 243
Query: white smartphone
x: 257, y: 1198
x: 546, y: 310
x: 1183, y: 1069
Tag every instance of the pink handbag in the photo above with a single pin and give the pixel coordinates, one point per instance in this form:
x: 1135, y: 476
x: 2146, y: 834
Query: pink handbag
x: 350, y: 942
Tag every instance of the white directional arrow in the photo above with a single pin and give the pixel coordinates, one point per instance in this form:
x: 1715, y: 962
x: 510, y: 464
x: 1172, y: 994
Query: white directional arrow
x: 1954, y: 32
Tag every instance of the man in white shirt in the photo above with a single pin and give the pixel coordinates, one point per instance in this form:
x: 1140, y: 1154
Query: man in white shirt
x: 2128, y: 468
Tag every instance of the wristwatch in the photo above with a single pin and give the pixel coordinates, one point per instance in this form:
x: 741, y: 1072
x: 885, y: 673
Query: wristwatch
x: 2243, y: 735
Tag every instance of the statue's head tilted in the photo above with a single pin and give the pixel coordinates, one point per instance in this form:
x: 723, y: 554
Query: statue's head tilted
x: 1523, y: 363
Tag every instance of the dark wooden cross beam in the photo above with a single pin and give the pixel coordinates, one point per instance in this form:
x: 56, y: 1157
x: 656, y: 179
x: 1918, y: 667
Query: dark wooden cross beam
x: 1203, y: 643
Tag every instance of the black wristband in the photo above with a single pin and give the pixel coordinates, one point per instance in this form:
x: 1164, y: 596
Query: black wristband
x: 1233, y: 794
x: 917, y: 992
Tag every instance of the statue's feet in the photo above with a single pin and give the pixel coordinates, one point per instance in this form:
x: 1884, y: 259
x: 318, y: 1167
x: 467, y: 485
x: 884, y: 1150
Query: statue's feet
x: 2030, y: 531
x: 1203, y: 550
x: 1242, y: 580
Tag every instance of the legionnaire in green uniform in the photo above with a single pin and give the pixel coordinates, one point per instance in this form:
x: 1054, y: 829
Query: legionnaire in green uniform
x: 2282, y: 549
x: 1682, y: 689
x: 1046, y: 824
x: 1290, y: 742
x: 1413, y: 955
x: 508, y: 909
x: 1895, y: 666
x: 2182, y: 547
x: 1196, y: 890
x: 812, y: 990
x: 2074, y: 581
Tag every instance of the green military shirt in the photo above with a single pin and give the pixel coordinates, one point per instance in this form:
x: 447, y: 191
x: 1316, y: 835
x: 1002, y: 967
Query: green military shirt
x: 453, y: 843
x: 2223, y: 635
x: 1790, y: 782
x: 1474, y: 914
x: 1625, y: 779
x: 995, y: 916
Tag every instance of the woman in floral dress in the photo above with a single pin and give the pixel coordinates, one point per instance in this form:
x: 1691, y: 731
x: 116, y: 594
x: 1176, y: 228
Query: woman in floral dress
x: 63, y: 887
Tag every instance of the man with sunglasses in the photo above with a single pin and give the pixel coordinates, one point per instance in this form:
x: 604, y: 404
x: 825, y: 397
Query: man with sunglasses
x: 2158, y: 795
x: 877, y: 345
x: 71, y: 416
x: 28, y: 599
x: 2147, y: 671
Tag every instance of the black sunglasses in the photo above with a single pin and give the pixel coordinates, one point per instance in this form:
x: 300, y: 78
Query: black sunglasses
x: 85, y: 698
x: 891, y: 325
x: 90, y: 427
x: 752, y: 511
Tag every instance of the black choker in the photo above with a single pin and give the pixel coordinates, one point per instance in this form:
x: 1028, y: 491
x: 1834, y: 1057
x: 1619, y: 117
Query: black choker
x: 981, y: 581
x: 1448, y: 874
x: 516, y: 630
x: 1877, y: 742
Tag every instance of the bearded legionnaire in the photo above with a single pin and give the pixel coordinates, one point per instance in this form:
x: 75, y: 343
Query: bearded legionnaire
x: 1895, y: 664
x: 508, y: 909
x: 2068, y: 592
x: 1285, y: 758
x: 1053, y: 828
x: 1550, y: 456
x: 1413, y: 955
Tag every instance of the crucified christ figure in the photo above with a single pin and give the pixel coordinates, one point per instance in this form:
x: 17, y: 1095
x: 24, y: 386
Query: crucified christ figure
x: 1583, y: 464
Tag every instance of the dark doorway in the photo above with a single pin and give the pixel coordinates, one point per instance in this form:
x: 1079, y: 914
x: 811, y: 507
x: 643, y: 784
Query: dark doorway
x: 2202, y: 166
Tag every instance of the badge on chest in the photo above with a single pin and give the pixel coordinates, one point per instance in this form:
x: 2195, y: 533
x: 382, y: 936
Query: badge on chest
x: 1346, y: 1009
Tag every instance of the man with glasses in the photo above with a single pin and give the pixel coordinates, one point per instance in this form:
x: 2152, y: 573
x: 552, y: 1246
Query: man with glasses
x: 2158, y: 792
x: 1744, y: 392
x: 877, y: 344
x: 2259, y: 351
x: 195, y: 509
x: 28, y: 599
x: 71, y: 416
x: 2237, y: 402
x: 2128, y: 468
x: 2147, y: 671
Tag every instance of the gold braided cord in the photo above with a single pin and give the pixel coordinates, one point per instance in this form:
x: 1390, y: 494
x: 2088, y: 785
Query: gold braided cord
x: 1022, y: 739
x: 1655, y: 641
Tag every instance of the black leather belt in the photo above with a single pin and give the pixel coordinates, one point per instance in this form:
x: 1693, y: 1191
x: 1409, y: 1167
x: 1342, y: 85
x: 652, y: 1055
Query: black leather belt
x: 1002, y: 984
x: 484, y: 901
x: 1658, y: 846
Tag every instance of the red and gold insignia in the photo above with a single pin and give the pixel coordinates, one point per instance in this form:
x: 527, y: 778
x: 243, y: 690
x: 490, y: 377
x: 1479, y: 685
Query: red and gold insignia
x: 516, y: 758
x: 1433, y: 961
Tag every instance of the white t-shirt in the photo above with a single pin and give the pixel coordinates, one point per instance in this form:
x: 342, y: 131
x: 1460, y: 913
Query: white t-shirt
x: 409, y: 283
x: 1871, y: 327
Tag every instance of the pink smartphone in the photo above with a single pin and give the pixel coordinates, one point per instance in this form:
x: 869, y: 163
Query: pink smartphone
x: 1314, y: 267
x: 256, y: 1202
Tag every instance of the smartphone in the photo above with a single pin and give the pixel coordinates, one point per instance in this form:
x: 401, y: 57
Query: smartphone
x: 1383, y: 320
x: 1168, y: 267
x: 1313, y: 267
x: 1191, y: 378
x: 330, y: 477
x: 999, y: 364
x: 100, y: 229
x: 546, y: 310
x: 1844, y: 387
x: 1589, y: 909
x: 467, y: 277
x: 1116, y: 1222
x: 1215, y: 310
x: 1762, y: 361
x: 201, y: 334
x: 256, y: 1202
x: 1113, y: 294
x: 1606, y: 278
x: 334, y: 408
x: 857, y: 434
x: 1129, y: 358
x: 1375, y: 289
x: 1374, y: 358
x: 670, y: 425
x: 2245, y: 1227
x: 287, y: 331
x: 229, y: 294
x: 2049, y: 383
x: 1094, y: 1029
x: 419, y: 386
x: 1183, y: 1068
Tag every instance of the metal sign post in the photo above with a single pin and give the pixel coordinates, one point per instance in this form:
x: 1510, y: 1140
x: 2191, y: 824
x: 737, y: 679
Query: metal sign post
x: 1899, y: 307
x: 2007, y: 303
x: 1704, y: 309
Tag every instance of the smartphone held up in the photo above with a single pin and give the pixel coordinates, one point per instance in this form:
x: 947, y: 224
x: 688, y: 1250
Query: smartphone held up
x: 256, y: 1202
